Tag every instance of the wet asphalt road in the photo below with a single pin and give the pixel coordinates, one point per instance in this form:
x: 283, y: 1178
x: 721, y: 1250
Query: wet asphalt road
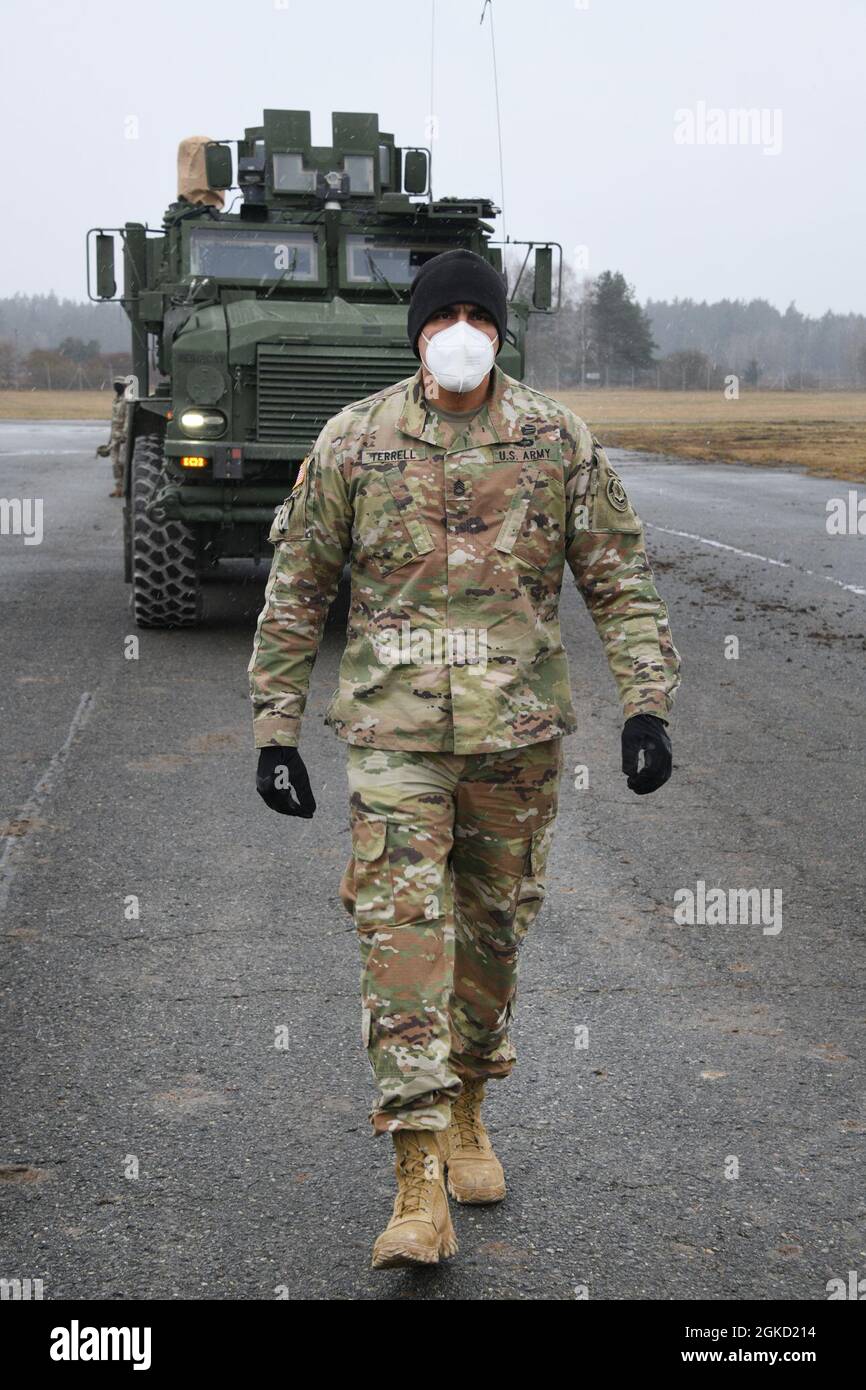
x: 147, y: 1044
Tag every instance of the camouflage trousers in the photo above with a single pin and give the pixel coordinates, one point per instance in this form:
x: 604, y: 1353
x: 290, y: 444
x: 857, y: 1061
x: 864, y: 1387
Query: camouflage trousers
x: 446, y: 875
x: 117, y: 464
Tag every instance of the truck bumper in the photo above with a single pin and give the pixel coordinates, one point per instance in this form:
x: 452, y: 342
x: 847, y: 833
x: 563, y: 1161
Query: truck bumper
x: 220, y: 503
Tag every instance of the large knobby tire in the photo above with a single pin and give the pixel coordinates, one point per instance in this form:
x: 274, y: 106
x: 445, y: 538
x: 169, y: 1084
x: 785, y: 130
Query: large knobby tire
x: 165, y: 581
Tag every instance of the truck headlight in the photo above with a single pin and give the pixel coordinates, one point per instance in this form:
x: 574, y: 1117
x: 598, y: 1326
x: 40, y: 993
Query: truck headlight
x: 204, y: 424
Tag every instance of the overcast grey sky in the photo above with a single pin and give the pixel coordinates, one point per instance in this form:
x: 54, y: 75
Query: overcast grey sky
x: 594, y: 153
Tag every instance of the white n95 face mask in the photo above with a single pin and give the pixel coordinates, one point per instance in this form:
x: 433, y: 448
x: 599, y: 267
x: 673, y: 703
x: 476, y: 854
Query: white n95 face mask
x: 459, y: 357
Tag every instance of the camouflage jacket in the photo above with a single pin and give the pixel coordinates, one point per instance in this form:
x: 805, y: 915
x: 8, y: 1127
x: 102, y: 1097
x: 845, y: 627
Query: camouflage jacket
x: 457, y: 545
x: 119, y: 421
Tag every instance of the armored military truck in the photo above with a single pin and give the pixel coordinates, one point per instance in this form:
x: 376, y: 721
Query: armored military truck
x: 253, y: 324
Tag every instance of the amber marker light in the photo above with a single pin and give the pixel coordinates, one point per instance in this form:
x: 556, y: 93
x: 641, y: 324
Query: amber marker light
x: 193, y: 461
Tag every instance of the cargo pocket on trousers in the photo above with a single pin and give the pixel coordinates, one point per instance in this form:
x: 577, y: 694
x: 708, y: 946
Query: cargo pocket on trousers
x: 374, y: 894
x: 398, y: 877
x: 532, y: 886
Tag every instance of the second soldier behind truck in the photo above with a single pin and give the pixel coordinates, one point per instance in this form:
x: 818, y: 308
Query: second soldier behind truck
x: 116, y: 445
x: 458, y: 496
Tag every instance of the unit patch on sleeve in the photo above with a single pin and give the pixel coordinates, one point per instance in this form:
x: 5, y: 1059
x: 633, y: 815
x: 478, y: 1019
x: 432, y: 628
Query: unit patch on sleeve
x: 616, y: 494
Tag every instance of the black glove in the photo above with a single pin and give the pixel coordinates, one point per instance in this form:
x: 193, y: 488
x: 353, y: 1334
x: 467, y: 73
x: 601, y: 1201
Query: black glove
x: 277, y: 767
x: 647, y: 732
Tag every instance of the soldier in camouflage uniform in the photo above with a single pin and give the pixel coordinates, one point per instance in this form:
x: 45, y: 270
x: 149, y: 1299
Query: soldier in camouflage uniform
x: 116, y: 445
x: 458, y: 502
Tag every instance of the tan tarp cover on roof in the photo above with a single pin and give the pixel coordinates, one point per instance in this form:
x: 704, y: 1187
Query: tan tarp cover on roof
x: 191, y: 175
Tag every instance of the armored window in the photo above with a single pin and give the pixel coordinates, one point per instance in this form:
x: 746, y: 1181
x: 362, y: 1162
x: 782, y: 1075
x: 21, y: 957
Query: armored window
x: 369, y: 259
x: 290, y: 176
x: 230, y: 254
x: 359, y: 167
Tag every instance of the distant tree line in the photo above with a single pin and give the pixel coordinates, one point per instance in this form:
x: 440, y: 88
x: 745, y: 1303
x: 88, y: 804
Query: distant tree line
x: 48, y: 343
x: 788, y: 351
x: 42, y: 321
x: 75, y: 365
x: 603, y: 336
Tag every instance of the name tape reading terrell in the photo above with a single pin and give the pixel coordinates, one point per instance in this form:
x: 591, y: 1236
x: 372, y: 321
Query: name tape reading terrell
x: 505, y: 454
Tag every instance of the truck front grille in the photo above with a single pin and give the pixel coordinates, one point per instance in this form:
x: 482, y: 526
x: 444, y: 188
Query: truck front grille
x: 298, y: 391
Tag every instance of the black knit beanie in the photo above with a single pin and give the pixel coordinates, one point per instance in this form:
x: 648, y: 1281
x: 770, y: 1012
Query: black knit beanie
x: 456, y: 277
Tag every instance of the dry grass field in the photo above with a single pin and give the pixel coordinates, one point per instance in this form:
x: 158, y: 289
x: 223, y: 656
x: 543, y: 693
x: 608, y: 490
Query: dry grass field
x: 822, y: 431
x: 55, y: 405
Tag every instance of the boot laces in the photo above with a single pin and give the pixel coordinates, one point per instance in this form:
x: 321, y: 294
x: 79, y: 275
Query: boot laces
x: 466, y: 1119
x: 418, y: 1173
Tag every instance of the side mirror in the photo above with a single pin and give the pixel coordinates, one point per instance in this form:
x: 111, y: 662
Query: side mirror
x: 415, y: 171
x: 218, y: 166
x: 542, y: 294
x: 106, y: 287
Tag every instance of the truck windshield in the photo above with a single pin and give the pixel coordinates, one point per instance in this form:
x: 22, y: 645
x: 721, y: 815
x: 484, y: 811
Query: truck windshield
x: 228, y: 253
x: 365, y: 255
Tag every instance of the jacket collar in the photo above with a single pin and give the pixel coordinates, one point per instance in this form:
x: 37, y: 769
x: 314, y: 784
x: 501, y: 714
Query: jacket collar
x: 496, y: 422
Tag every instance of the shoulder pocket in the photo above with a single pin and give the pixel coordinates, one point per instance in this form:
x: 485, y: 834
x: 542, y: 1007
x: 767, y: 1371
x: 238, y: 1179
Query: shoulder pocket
x: 609, y: 506
x: 642, y: 640
x: 280, y: 524
x: 291, y: 518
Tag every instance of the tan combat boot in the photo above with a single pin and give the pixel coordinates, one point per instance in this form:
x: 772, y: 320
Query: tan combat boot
x: 420, y: 1230
x: 474, y: 1172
